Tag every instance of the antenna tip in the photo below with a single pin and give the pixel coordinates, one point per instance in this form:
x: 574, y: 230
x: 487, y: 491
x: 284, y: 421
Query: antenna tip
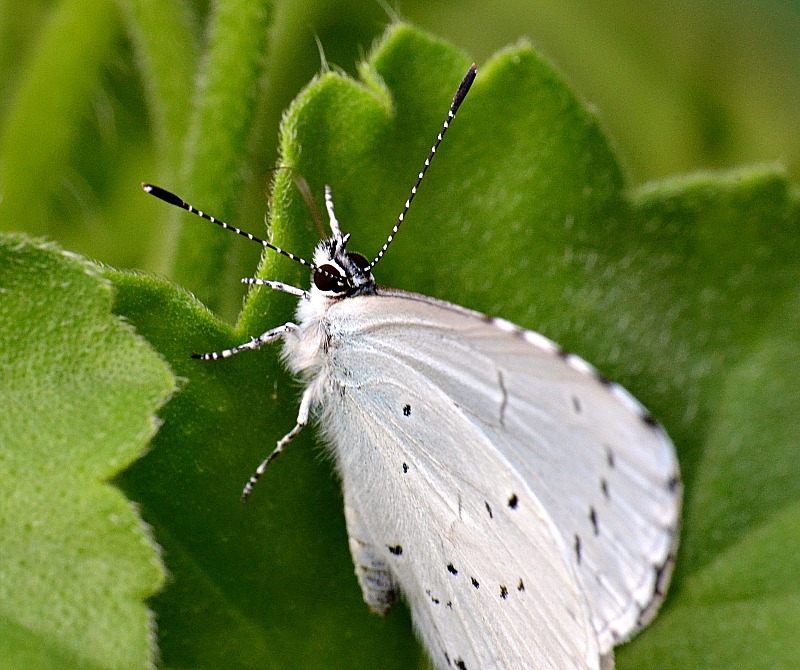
x: 463, y: 89
x: 164, y: 195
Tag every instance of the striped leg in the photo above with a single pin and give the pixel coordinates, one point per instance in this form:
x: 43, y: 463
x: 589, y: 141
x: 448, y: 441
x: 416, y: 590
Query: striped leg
x: 265, y: 338
x: 302, y: 420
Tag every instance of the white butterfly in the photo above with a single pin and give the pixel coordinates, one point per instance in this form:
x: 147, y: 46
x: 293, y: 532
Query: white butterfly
x: 526, y: 507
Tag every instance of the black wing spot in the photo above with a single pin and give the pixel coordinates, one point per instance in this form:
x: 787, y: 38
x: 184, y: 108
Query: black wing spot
x: 447, y: 658
x: 405, y: 468
x: 578, y: 549
x: 513, y: 501
x: 576, y: 404
x: 649, y: 420
x: 407, y: 410
x: 600, y: 377
x: 604, y: 489
x: 662, y: 573
x: 452, y: 569
x: 489, y: 509
x: 460, y: 664
x: 593, y: 519
x: 397, y: 550
x: 475, y: 583
x: 428, y: 593
x: 610, y: 458
x: 521, y: 585
x: 659, y: 571
x: 503, y: 592
x: 450, y: 604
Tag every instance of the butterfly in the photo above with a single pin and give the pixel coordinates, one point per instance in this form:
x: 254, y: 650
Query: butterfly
x: 525, y: 507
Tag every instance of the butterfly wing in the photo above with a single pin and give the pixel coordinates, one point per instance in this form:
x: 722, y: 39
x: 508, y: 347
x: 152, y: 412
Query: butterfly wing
x: 527, y: 509
x: 426, y: 502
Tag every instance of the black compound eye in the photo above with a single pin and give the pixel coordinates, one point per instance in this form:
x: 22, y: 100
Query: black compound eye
x: 359, y: 261
x: 328, y: 278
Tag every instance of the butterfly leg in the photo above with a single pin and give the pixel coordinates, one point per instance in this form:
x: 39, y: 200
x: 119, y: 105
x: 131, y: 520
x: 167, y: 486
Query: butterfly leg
x: 265, y: 338
x: 302, y: 420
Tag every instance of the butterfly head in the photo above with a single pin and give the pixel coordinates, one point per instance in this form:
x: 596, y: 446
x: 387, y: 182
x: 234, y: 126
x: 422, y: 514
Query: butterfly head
x: 338, y: 272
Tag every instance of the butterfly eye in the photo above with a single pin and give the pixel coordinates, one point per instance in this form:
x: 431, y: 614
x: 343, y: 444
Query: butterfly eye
x: 359, y: 261
x: 329, y: 278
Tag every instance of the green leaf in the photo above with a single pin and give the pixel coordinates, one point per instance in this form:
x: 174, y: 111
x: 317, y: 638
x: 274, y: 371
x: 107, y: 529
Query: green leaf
x: 680, y: 290
x: 729, y: 259
x: 743, y: 516
x: 79, y: 391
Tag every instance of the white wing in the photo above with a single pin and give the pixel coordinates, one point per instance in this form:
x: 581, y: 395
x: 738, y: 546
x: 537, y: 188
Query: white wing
x: 526, y: 508
x: 426, y: 500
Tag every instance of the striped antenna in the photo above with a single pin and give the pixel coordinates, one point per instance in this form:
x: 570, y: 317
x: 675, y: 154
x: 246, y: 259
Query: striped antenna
x: 461, y: 93
x: 172, y: 199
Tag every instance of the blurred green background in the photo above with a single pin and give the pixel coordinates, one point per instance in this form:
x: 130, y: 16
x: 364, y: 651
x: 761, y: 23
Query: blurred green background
x: 681, y: 85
